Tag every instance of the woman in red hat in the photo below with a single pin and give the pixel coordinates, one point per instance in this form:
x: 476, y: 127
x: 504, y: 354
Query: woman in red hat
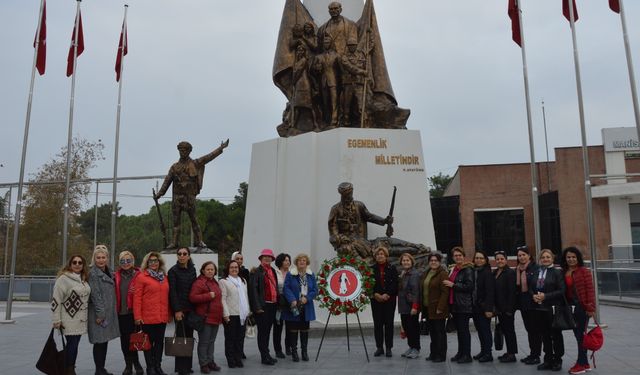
x: 263, y: 298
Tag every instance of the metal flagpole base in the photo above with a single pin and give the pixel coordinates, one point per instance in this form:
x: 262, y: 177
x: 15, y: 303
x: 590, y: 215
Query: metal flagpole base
x: 10, y: 321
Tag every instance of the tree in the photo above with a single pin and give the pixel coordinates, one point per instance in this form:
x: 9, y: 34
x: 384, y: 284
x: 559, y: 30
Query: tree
x: 438, y: 184
x: 40, y: 242
x: 86, y: 221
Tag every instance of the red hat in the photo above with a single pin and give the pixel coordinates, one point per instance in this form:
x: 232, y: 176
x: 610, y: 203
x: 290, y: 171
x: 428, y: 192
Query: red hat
x: 266, y: 253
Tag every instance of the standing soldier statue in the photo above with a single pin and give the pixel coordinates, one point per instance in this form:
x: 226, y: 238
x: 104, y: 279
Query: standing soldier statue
x: 186, y: 175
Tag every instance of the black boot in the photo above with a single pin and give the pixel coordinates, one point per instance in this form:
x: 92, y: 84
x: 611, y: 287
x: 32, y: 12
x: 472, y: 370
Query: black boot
x: 294, y: 345
x: 136, y: 364
x: 128, y: 365
x: 304, y: 340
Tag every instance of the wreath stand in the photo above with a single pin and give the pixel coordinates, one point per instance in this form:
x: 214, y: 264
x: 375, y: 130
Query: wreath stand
x: 346, y: 322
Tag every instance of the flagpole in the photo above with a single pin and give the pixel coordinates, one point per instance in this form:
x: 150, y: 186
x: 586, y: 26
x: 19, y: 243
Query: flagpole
x: 632, y: 79
x: 534, y: 172
x: 65, y: 225
x: 7, y: 201
x: 16, y: 220
x: 585, y: 160
x: 95, y: 217
x: 114, y: 204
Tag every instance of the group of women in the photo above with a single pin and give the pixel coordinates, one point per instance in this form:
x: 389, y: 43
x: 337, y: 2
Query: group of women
x: 106, y: 304
x: 449, y: 298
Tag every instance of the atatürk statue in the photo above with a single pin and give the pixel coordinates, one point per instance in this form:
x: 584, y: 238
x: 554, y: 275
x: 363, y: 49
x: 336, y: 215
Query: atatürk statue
x: 346, y: 82
x: 186, y: 175
x: 348, y: 224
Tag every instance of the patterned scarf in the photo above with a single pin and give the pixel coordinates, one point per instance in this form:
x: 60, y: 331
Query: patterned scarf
x: 521, y: 279
x: 156, y: 275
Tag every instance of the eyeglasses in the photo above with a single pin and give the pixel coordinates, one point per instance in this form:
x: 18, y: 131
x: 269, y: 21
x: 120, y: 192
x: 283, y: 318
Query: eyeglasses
x: 126, y: 261
x: 77, y: 262
x: 153, y: 261
x: 183, y: 253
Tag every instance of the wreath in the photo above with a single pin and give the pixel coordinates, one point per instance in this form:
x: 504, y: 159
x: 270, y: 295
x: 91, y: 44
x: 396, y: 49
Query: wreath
x: 338, y: 305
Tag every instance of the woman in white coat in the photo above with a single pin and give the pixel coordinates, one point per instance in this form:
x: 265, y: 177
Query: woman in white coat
x: 69, y: 306
x: 235, y: 309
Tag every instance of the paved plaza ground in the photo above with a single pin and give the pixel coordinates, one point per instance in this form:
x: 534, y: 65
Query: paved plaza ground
x: 21, y: 343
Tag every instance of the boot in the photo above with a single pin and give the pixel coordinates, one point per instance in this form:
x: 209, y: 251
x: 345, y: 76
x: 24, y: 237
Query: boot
x: 71, y: 370
x: 136, y: 364
x: 304, y: 340
x: 128, y: 366
x: 294, y: 349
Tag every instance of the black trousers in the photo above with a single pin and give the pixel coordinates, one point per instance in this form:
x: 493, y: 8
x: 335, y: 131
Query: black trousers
x: 552, y: 340
x: 383, y: 315
x: 153, y: 357
x: 483, y: 327
x: 127, y: 327
x: 509, y: 332
x: 184, y: 364
x: 438, y: 338
x: 411, y: 328
x: 464, y: 336
x: 71, y: 354
x: 278, y: 327
x: 100, y: 355
x: 264, y: 322
x: 535, y: 340
x: 233, y: 340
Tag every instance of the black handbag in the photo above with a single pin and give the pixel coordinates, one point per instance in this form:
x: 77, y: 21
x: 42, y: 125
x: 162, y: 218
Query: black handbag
x: 424, y: 327
x: 451, y: 325
x: 498, y: 336
x: 178, y: 346
x: 51, y: 361
x: 563, y: 317
x: 195, y: 321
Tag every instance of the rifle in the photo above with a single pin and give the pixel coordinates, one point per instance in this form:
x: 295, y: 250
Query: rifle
x: 162, y: 227
x: 393, y: 204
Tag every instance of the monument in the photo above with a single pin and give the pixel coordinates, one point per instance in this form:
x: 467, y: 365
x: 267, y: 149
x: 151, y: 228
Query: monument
x: 186, y: 176
x: 341, y: 123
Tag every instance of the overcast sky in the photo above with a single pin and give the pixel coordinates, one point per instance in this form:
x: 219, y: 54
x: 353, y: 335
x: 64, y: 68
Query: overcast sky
x: 200, y: 70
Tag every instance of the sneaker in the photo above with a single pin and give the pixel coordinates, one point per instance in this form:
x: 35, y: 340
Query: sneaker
x: 407, y: 352
x: 414, y: 354
x: 577, y: 369
x: 587, y: 367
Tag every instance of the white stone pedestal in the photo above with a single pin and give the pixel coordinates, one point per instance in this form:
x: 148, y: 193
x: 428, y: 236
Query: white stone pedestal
x: 293, y: 184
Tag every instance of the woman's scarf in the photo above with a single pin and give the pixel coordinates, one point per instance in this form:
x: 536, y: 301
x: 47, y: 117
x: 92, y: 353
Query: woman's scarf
x: 156, y: 275
x: 242, y: 297
x: 521, y: 279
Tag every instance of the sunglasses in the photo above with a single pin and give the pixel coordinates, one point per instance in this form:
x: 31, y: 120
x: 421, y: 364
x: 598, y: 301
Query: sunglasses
x: 126, y: 261
x: 500, y: 252
x: 183, y: 253
x: 153, y: 261
x: 77, y: 262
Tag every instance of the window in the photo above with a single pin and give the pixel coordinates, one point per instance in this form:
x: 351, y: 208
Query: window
x: 499, y: 229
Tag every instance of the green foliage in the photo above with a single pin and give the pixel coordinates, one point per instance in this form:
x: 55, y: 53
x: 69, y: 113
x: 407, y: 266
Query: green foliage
x: 438, y: 184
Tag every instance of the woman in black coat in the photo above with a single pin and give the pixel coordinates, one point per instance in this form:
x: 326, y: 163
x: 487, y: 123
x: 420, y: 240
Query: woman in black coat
x: 547, y: 290
x: 460, y: 283
x: 526, y: 270
x: 505, y: 304
x: 383, y: 304
x: 181, y: 277
x: 483, y: 297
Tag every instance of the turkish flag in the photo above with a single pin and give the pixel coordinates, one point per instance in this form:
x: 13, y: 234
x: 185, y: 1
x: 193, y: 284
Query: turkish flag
x: 41, y: 39
x: 614, y: 5
x: 565, y: 10
x: 80, y: 42
x: 123, y: 48
x: 514, y: 14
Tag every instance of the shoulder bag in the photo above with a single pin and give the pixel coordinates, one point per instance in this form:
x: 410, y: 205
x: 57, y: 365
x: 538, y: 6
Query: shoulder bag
x: 51, y: 361
x: 178, y: 346
x: 563, y: 316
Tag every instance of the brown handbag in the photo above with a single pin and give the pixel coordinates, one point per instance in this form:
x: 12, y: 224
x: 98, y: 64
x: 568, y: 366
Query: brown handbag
x: 178, y: 346
x: 139, y: 341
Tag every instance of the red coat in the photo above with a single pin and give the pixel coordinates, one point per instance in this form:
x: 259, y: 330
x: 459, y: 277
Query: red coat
x: 151, y: 299
x: 130, y: 291
x: 201, y: 298
x: 584, y: 289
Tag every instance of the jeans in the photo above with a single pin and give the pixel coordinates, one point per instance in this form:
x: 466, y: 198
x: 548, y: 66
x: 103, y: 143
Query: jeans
x: 264, y: 322
x: 411, y: 328
x: 206, y: 342
x: 233, y: 339
x: 483, y: 326
x: 535, y: 340
x: 72, y: 350
x: 153, y: 357
x: 438, y: 338
x: 464, y: 336
x: 581, y: 319
x: 383, y: 316
x: 509, y: 332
